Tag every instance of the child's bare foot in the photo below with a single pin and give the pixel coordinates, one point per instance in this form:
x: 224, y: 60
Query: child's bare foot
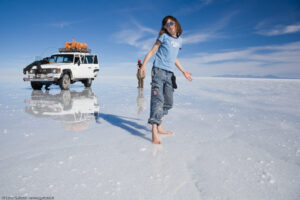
x: 155, y: 138
x: 156, y: 141
x: 163, y: 131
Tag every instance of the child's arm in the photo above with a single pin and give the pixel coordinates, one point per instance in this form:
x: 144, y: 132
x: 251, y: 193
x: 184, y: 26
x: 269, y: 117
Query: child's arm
x: 149, y: 55
x: 185, y: 73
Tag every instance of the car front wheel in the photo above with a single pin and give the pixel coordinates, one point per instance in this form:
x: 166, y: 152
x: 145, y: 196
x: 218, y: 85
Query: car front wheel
x: 36, y: 85
x: 65, y: 82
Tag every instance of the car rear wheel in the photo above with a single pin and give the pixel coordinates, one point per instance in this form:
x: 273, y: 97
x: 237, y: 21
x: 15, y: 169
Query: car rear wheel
x: 36, y: 85
x: 64, y: 82
x: 88, y: 82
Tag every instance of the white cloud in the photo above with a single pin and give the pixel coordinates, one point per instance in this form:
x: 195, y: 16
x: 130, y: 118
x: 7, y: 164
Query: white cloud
x: 279, y: 30
x: 193, y: 7
x: 272, y: 53
x: 141, y: 37
x: 209, y: 33
x: 63, y: 24
x: 142, y: 28
x: 280, y: 60
x: 196, y: 38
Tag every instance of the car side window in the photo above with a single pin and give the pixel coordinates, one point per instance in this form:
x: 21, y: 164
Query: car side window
x: 89, y: 59
x: 84, y: 60
x: 76, y: 60
x: 95, y: 60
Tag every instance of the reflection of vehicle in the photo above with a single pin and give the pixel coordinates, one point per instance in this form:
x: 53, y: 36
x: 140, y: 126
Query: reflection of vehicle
x: 71, y: 108
x: 66, y: 67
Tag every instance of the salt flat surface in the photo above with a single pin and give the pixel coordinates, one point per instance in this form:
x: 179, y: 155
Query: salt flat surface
x: 234, y: 139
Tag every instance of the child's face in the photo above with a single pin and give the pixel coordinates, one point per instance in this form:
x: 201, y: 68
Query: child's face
x: 171, y: 27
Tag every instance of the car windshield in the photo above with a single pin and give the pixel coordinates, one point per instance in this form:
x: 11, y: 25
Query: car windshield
x: 62, y: 58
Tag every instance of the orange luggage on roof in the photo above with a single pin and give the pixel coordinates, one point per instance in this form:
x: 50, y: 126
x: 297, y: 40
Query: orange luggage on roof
x: 76, y: 46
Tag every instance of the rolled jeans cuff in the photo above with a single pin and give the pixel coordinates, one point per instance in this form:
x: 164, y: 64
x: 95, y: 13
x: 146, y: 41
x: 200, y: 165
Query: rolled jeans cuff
x: 154, y: 121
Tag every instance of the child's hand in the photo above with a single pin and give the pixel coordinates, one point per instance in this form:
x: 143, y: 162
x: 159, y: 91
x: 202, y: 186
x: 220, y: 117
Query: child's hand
x: 142, y: 71
x: 188, y: 75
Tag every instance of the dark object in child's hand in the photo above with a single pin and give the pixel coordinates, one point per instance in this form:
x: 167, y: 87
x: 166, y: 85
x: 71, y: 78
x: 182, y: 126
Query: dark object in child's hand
x: 174, y: 81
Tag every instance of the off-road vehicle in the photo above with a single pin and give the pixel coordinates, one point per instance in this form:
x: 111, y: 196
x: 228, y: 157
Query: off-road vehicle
x: 64, y: 68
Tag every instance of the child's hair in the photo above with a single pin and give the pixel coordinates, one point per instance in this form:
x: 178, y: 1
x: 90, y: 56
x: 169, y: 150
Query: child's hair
x: 164, y: 21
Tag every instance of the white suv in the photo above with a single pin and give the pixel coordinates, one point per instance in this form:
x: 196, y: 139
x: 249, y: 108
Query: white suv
x: 63, y: 69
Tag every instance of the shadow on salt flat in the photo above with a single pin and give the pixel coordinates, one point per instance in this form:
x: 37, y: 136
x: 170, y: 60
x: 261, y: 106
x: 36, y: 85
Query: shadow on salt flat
x: 124, y: 123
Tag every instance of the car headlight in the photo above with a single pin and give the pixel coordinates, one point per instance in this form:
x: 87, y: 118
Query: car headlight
x: 55, y: 71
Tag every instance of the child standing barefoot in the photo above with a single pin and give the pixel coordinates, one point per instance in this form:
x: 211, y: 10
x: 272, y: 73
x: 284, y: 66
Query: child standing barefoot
x: 140, y: 76
x: 166, y: 47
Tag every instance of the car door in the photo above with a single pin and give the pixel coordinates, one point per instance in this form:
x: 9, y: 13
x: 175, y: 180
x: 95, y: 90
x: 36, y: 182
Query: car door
x: 90, y: 60
x: 76, y: 67
x: 83, y: 67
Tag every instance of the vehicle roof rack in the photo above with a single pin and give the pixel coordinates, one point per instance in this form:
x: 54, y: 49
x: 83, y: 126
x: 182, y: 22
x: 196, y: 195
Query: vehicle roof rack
x: 63, y: 50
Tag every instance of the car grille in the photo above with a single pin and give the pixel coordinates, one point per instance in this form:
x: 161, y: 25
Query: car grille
x: 41, y: 71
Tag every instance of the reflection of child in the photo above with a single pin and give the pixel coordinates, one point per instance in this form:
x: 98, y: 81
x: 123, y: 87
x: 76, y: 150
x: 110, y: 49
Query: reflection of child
x: 140, y: 101
x: 140, y: 75
x: 166, y: 47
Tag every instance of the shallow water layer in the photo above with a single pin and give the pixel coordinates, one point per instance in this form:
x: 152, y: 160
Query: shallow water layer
x: 234, y: 139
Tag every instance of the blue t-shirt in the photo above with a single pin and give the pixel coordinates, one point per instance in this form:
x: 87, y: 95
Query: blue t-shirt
x: 167, y: 52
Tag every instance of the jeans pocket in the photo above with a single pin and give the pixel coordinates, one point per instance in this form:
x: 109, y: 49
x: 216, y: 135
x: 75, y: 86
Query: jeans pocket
x: 155, y: 86
x: 154, y: 71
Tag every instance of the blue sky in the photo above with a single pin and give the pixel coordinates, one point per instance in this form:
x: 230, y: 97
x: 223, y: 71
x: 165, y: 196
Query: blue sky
x: 220, y: 36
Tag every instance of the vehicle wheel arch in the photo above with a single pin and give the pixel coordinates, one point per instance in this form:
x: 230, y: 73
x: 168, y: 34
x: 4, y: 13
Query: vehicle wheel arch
x: 67, y: 71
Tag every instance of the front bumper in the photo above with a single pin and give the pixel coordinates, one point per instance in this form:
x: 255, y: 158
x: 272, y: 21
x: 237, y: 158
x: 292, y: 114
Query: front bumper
x: 41, y: 78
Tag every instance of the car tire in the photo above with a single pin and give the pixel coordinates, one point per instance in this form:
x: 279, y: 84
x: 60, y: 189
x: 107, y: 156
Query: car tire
x: 36, y: 85
x: 64, y: 82
x: 66, y: 99
x: 87, y: 83
x: 87, y: 92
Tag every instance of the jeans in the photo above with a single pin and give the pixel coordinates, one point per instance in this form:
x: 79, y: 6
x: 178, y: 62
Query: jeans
x: 161, y: 95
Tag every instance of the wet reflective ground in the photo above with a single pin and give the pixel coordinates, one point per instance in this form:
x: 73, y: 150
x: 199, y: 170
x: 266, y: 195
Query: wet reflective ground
x: 239, y: 137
